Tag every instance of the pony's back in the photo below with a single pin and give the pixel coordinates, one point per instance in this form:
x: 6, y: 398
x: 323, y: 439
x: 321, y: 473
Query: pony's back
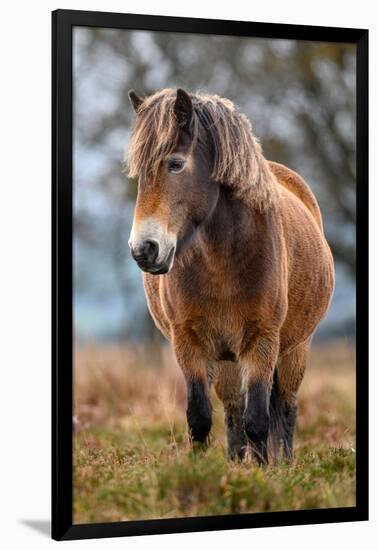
x: 294, y: 183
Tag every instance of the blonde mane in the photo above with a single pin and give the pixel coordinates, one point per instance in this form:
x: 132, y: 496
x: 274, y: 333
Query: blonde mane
x: 238, y: 160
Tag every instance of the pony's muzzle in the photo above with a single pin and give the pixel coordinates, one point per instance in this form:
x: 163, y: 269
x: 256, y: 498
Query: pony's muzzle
x: 147, y: 252
x: 152, y: 246
x: 146, y: 256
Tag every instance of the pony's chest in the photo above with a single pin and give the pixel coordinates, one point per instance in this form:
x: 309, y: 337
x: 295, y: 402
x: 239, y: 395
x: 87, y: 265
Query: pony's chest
x: 217, y: 312
x: 219, y: 331
x: 217, y: 285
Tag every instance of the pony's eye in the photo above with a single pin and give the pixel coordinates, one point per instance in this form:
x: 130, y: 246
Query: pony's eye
x: 176, y: 165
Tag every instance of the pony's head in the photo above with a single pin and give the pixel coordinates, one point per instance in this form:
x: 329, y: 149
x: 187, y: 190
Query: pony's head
x: 183, y: 147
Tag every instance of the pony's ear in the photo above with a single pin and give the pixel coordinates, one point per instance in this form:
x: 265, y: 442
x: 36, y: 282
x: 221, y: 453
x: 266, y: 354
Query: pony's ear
x: 135, y: 100
x: 183, y: 108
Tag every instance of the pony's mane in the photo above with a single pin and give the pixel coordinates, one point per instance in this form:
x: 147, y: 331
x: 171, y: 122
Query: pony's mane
x: 238, y: 160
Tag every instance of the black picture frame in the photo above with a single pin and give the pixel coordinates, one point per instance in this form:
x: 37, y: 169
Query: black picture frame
x: 62, y: 340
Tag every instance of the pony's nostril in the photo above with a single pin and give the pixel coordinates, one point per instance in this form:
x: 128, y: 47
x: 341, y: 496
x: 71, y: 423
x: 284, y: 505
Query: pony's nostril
x: 147, y: 252
x: 151, y: 250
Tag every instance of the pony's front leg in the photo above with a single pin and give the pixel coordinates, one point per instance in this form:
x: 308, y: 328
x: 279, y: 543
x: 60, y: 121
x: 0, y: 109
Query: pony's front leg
x: 258, y: 368
x: 194, y: 366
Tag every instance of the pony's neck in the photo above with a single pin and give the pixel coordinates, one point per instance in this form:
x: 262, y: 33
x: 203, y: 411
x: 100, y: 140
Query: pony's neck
x: 229, y: 241
x: 232, y: 231
x: 225, y: 252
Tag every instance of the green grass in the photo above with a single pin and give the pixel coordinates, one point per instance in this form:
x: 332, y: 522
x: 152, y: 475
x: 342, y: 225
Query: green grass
x: 134, y: 461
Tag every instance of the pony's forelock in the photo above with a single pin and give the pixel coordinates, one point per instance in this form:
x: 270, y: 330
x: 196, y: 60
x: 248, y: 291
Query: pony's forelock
x: 238, y: 161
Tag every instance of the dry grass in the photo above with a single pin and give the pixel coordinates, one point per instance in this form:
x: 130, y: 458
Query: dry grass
x: 132, y: 458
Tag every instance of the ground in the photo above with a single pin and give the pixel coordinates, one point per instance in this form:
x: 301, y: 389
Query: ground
x: 133, y: 460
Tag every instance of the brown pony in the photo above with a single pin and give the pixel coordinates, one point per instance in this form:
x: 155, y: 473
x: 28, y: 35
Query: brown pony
x: 238, y: 273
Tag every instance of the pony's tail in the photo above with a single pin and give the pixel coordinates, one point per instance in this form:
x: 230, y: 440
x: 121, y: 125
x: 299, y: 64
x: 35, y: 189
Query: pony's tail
x: 278, y: 427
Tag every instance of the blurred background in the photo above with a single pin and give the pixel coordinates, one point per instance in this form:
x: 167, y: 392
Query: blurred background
x: 300, y: 98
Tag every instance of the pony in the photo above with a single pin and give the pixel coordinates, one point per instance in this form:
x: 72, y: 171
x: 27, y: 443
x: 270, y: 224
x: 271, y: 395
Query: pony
x: 237, y: 271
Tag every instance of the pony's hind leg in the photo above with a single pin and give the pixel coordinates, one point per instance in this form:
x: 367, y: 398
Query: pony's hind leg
x: 290, y: 371
x: 228, y: 386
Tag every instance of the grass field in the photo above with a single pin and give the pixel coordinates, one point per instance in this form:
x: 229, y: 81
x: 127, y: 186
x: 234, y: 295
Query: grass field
x: 132, y: 458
